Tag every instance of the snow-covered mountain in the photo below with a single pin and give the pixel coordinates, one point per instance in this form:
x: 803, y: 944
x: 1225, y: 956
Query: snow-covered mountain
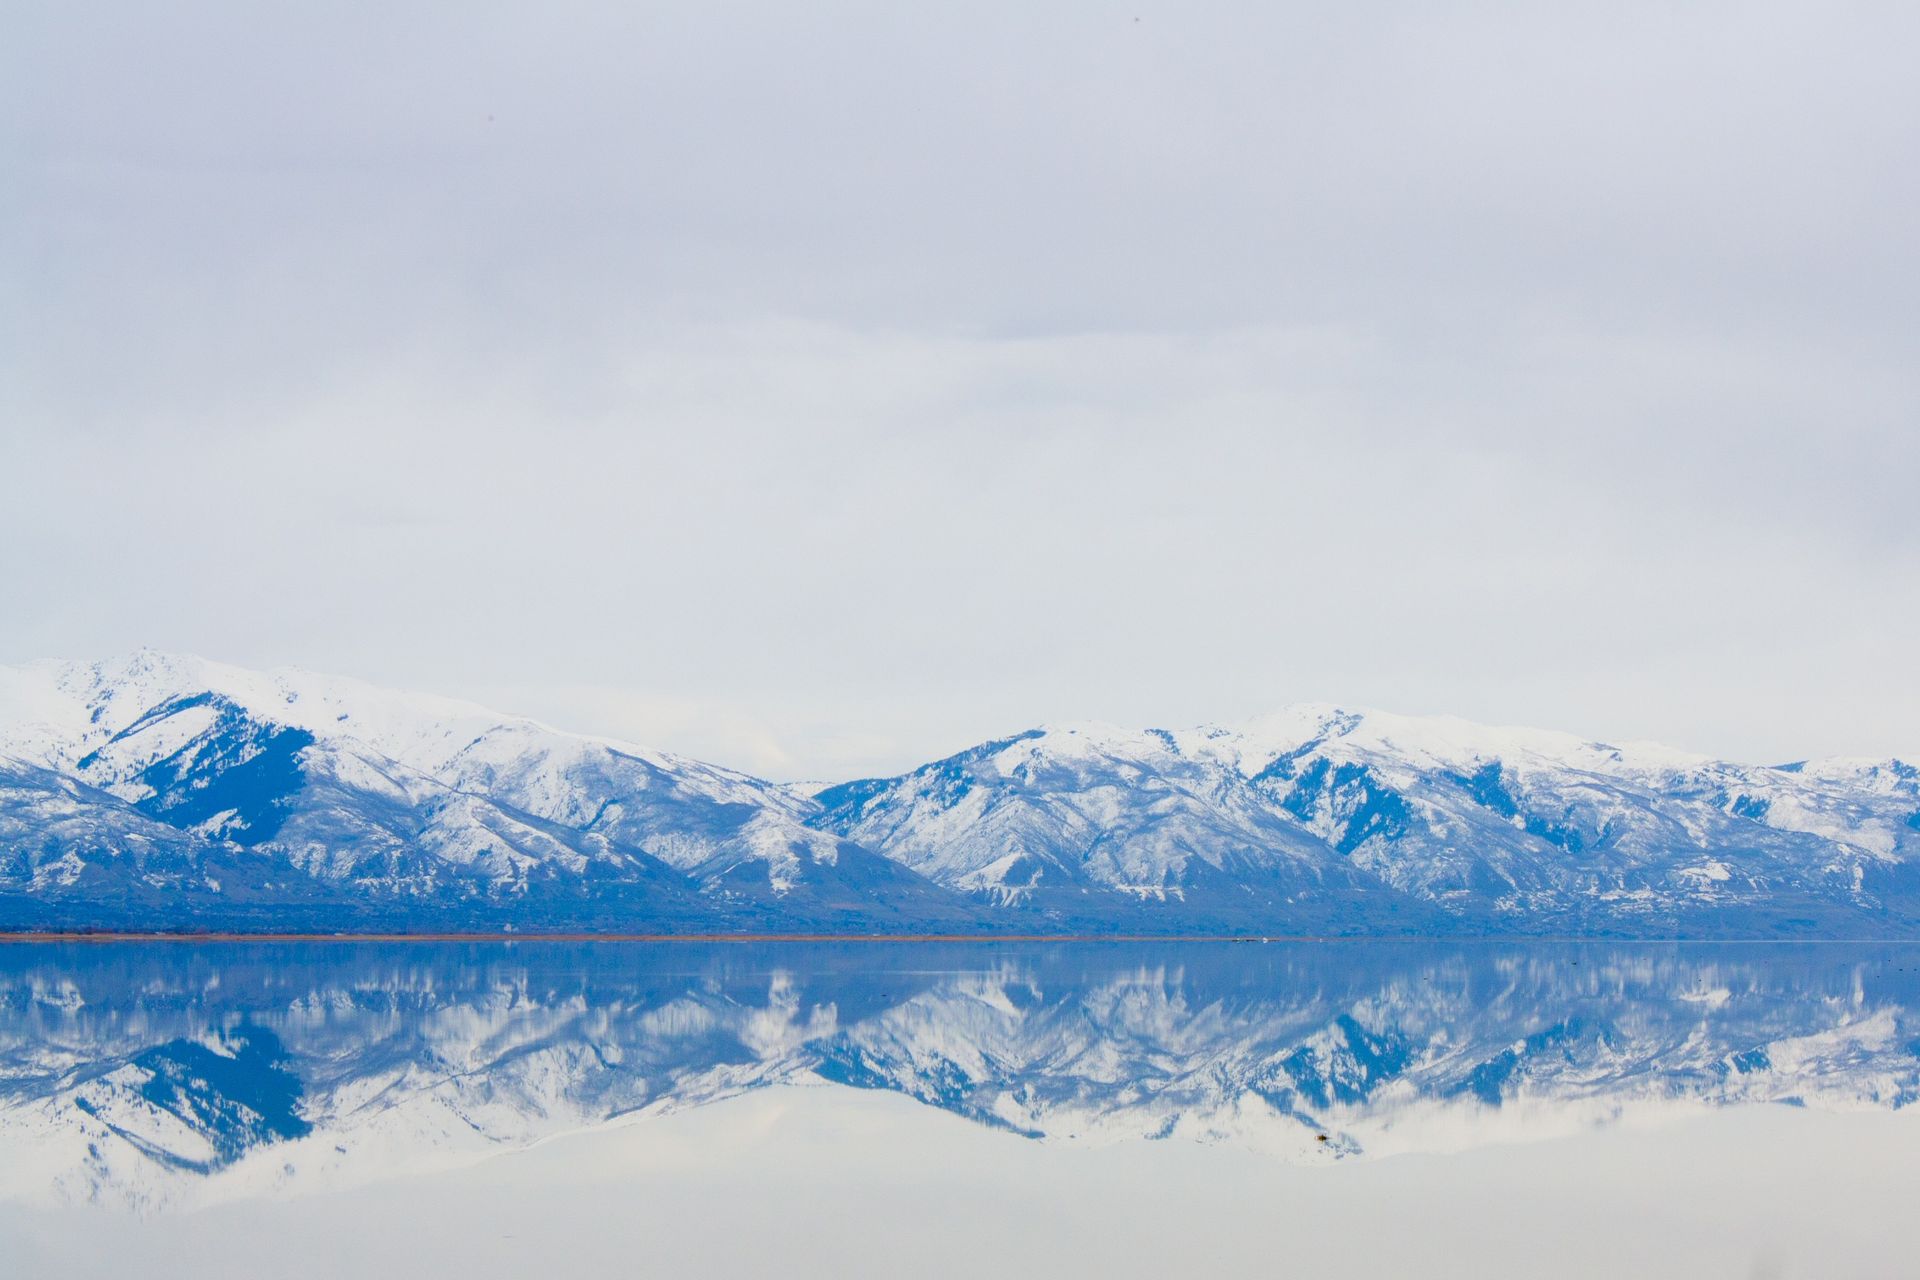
x: 1319, y: 813
x: 157, y: 791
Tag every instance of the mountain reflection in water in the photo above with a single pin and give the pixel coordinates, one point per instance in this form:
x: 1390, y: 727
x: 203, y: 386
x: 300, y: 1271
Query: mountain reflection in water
x: 131, y: 1068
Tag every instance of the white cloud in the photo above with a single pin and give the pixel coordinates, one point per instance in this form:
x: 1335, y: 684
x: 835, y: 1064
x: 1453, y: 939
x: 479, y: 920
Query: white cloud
x: 844, y: 389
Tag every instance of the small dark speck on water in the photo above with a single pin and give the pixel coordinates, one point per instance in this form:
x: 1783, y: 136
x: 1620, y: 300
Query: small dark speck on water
x: 1319, y: 1137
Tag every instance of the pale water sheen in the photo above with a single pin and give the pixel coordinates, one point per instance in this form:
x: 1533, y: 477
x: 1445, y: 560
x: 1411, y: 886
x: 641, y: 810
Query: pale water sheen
x: 1098, y: 1107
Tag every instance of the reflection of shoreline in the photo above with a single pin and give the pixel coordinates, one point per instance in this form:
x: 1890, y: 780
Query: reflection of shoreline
x: 395, y: 1051
x: 29, y: 936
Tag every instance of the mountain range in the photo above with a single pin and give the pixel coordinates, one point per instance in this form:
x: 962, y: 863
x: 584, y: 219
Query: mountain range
x: 158, y: 792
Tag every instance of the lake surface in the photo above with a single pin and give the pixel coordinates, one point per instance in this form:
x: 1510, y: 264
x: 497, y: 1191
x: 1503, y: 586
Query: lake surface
x: 1091, y: 1107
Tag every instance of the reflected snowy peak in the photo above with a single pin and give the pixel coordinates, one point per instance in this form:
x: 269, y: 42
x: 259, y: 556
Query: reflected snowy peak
x: 153, y: 1075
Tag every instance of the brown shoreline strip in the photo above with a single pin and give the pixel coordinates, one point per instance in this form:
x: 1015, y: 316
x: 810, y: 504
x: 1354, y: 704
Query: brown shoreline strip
x: 108, y: 936
x: 28, y: 937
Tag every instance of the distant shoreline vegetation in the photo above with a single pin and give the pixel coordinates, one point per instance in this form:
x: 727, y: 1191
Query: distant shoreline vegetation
x: 32, y: 936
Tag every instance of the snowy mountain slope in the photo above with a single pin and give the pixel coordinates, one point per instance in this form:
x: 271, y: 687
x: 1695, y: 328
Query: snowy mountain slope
x: 1500, y: 829
x: 1060, y: 820
x: 432, y: 806
x: 741, y: 838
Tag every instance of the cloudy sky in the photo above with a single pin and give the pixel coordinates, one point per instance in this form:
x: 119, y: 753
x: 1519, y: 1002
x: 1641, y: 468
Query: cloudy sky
x: 821, y: 388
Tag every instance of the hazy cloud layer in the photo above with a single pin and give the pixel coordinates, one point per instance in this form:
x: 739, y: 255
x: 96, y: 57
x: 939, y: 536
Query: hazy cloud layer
x: 820, y: 389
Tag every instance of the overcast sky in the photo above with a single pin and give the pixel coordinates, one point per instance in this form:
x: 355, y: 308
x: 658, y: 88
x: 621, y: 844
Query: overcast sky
x: 821, y: 388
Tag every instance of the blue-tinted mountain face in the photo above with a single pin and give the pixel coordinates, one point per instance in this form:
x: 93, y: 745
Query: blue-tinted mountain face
x: 159, y: 792
x: 1323, y: 815
x: 165, y: 792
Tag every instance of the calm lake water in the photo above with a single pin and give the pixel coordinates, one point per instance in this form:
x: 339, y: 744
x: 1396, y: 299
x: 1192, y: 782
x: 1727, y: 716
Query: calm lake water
x: 1100, y: 1108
